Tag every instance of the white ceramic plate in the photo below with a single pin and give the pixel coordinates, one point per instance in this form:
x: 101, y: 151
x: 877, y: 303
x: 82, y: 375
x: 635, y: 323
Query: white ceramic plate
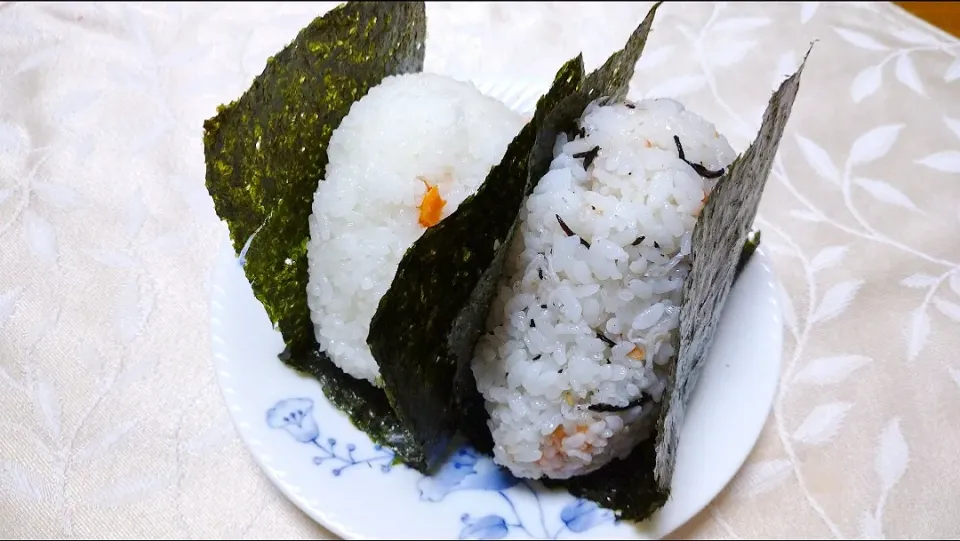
x: 336, y: 475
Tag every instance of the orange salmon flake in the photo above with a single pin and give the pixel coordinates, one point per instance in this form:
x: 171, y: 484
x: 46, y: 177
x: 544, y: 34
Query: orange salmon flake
x: 556, y: 438
x: 431, y: 206
x: 555, y: 441
x: 703, y: 203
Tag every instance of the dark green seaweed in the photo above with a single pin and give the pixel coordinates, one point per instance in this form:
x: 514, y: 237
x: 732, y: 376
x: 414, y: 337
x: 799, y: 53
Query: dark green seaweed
x: 612, y: 79
x: 718, y: 244
x: 265, y: 154
x: 749, y: 248
x: 428, y: 322
x: 626, y: 487
x: 637, y: 486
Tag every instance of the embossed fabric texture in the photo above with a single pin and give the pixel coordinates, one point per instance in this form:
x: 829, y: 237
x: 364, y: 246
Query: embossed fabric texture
x: 111, y: 422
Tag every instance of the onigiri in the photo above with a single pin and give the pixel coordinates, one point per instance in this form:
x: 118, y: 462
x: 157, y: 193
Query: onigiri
x: 407, y: 154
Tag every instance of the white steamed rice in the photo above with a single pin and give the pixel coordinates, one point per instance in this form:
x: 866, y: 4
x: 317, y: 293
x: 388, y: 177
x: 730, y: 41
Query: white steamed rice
x: 407, y: 131
x: 540, y: 364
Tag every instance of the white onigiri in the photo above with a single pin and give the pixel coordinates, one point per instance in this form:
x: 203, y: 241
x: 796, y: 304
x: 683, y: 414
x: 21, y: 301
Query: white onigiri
x: 590, y: 298
x: 407, y: 154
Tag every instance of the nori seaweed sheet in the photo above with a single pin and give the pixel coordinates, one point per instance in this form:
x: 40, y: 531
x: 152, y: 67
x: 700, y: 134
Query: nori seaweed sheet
x: 429, y: 320
x: 749, y: 248
x: 265, y: 154
x: 637, y: 486
x: 634, y: 488
x: 244, y: 186
x: 718, y: 246
x: 427, y: 324
x: 628, y: 486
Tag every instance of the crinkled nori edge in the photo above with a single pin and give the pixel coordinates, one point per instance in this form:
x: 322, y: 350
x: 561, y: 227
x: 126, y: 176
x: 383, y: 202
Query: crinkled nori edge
x: 265, y: 154
x: 718, y: 246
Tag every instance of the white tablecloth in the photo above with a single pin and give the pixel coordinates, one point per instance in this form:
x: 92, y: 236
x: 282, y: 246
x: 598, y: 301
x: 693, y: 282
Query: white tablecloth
x: 111, y: 422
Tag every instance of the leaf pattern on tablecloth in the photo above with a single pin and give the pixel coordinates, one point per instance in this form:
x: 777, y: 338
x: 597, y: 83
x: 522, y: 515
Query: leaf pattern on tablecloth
x: 945, y: 161
x: 884, y: 192
x: 835, y: 300
x: 822, y: 423
x: 107, y: 238
x: 818, y: 159
x: 759, y: 477
x: 830, y: 370
x: 890, y: 463
x: 860, y: 39
x: 20, y: 481
x: 828, y: 257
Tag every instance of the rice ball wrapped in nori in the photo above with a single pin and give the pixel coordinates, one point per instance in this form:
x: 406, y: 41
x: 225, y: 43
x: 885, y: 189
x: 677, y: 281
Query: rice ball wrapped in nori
x: 265, y: 153
x: 409, y: 233
x: 572, y: 364
x: 703, y: 246
x: 404, y: 158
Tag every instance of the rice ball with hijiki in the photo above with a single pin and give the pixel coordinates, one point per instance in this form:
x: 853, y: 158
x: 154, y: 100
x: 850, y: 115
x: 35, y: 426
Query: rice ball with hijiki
x: 572, y: 366
x: 407, y: 154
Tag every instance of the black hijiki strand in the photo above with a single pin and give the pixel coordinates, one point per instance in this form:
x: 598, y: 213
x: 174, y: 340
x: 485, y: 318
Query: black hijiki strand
x: 580, y: 133
x: 656, y: 245
x: 701, y: 170
x: 630, y: 105
x: 607, y: 408
x: 638, y: 241
x: 537, y: 358
x: 570, y: 233
x: 540, y: 273
x: 588, y: 156
x: 605, y: 340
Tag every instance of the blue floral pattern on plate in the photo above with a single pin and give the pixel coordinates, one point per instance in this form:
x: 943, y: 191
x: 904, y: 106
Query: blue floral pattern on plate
x: 466, y: 470
x: 295, y: 416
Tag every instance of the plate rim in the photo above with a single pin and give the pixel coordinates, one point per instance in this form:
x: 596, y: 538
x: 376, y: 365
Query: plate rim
x: 293, y: 492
